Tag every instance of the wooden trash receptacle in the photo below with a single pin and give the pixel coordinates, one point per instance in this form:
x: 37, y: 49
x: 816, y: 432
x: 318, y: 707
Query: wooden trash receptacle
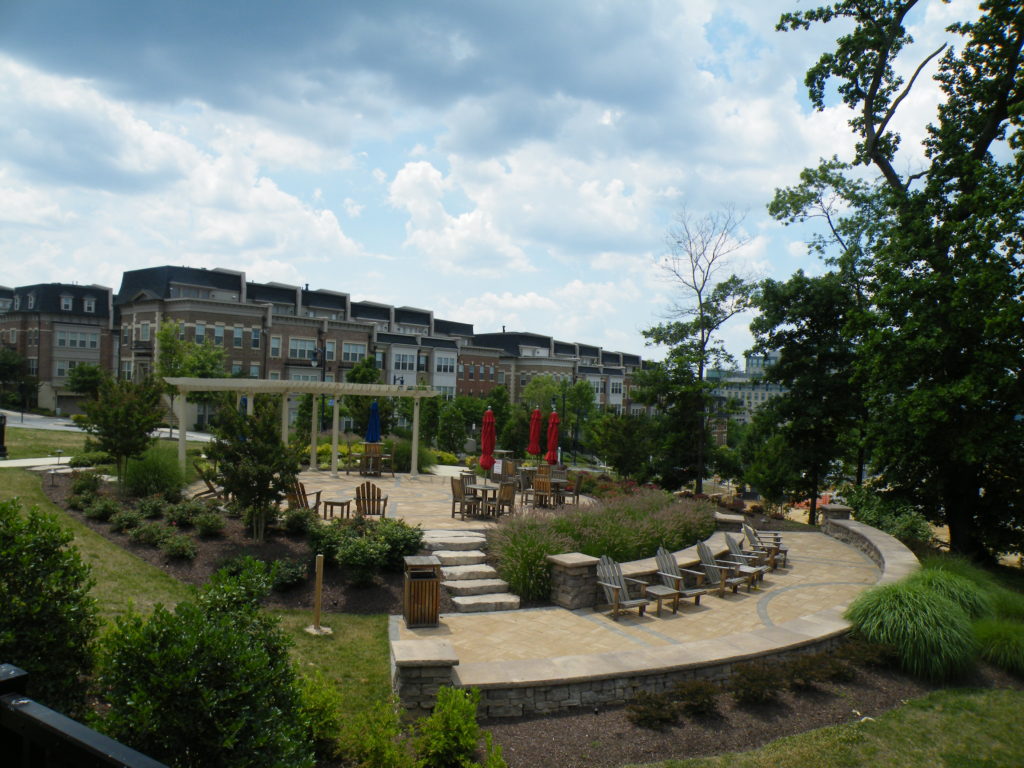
x: 422, y: 597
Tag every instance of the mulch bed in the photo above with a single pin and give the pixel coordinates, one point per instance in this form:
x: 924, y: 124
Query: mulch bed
x: 597, y: 738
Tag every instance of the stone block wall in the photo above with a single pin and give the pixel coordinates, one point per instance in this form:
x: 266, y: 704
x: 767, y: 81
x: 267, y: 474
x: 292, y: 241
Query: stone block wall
x: 418, y: 670
x: 574, y: 580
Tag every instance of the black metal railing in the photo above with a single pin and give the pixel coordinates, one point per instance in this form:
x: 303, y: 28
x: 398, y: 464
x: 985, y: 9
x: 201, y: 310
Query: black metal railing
x: 34, y: 736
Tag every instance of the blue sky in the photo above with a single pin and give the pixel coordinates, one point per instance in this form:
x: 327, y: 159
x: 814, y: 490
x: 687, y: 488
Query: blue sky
x: 505, y: 164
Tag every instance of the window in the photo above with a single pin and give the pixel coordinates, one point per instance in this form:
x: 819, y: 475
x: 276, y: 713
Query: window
x: 462, y: 371
x: 218, y: 335
x: 144, y: 332
x: 64, y: 367
x: 330, y: 350
x: 445, y: 365
x: 181, y: 331
x: 31, y: 301
x: 469, y: 372
x: 404, y: 361
x: 255, y: 338
x: 89, y: 304
x: 127, y: 368
x: 33, y: 366
x: 236, y: 338
x: 448, y: 393
x: 616, y: 387
x: 490, y: 372
x: 17, y: 302
x: 254, y: 371
x: 301, y: 349
x: 378, y: 361
x: 200, y: 333
x: 236, y: 369
x: 66, y: 303
x: 275, y: 346
x: 275, y: 376
x: 422, y: 362
x: 501, y: 377
x: 33, y: 337
x: 353, y: 353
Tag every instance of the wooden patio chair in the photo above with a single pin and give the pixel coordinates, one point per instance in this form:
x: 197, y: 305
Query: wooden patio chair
x: 722, y: 573
x: 616, y: 588
x: 370, y: 501
x: 211, y: 491
x: 539, y: 494
x: 299, y: 498
x: 770, y: 541
x: 524, y: 480
x: 504, y: 502
x: 461, y: 498
x: 571, y: 492
x: 755, y: 560
x: 675, y: 577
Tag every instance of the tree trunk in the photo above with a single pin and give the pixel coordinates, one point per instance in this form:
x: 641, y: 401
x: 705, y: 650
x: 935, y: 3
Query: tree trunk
x: 959, y: 499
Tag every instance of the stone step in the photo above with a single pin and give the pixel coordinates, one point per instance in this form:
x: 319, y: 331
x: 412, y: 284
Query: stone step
x: 463, y: 572
x: 490, y: 602
x: 475, y: 587
x: 460, y: 543
x: 449, y: 557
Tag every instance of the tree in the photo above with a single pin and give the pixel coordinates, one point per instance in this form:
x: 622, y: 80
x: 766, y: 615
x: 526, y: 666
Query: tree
x: 123, y: 417
x: 940, y: 360
x: 208, y: 684
x: 367, y: 372
x: 48, y: 621
x: 253, y: 465
x: 624, y: 443
x: 699, y: 252
x: 86, y: 379
x: 451, y: 429
x: 805, y: 320
x: 180, y: 358
x: 14, y: 375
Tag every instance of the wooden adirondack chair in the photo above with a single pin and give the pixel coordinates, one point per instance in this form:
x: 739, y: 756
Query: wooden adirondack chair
x: 675, y: 577
x: 616, y: 588
x: 755, y: 560
x: 461, y: 498
x: 504, y: 502
x: 211, y: 491
x: 721, y: 573
x: 299, y: 498
x: 770, y: 541
x: 369, y: 500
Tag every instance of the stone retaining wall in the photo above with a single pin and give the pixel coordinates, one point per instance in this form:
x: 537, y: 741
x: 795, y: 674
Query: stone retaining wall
x: 540, y: 686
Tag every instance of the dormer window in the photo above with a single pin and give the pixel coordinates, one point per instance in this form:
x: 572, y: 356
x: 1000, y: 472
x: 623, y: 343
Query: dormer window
x: 31, y: 301
x: 66, y: 303
x: 89, y: 304
x: 17, y: 302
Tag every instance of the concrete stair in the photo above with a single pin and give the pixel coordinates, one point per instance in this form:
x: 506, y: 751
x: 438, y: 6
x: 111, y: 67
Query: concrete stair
x: 473, y: 585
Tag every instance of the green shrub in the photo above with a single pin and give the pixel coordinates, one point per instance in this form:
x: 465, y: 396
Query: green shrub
x: 1001, y: 642
x: 125, y: 520
x: 895, y: 518
x: 401, y: 455
x: 697, y: 698
x: 322, y: 706
x: 446, y: 458
x: 90, y: 459
x: 754, y: 684
x: 362, y: 557
x: 974, y: 600
x: 178, y: 546
x: 152, y: 507
x: 401, y: 540
x: 83, y: 483
x: 449, y: 735
x: 299, y: 522
x: 286, y: 574
x: 324, y: 539
x: 155, y: 472
x: 1007, y: 604
x: 209, y: 524
x: 805, y: 671
x: 373, y: 739
x: 184, y: 514
x: 930, y: 634
x: 960, y: 566
x: 47, y: 618
x: 150, y: 534
x: 80, y: 501
x: 652, y: 710
x: 207, y: 685
x: 102, y: 509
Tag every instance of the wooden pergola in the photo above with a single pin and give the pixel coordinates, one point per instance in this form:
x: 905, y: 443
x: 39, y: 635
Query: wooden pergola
x: 252, y: 387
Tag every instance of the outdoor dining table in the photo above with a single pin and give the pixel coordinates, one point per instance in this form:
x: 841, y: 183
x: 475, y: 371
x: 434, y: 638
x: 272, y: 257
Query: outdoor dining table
x: 486, y: 491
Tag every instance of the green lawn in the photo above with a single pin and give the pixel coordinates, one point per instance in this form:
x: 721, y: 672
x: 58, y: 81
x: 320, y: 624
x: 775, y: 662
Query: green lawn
x: 37, y: 443
x: 958, y: 728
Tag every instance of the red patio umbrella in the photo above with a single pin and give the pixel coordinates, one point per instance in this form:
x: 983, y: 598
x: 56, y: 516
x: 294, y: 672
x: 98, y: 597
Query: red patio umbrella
x: 552, y: 455
x: 534, y: 446
x: 487, y: 441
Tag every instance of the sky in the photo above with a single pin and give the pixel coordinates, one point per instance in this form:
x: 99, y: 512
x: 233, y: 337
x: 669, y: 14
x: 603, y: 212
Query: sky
x: 514, y: 165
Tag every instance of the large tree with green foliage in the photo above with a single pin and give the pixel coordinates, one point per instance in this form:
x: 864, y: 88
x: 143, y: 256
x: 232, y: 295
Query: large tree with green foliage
x: 358, y: 406
x: 86, y: 379
x: 123, y: 417
x: 940, y: 360
x: 253, y: 465
x: 16, y: 386
x: 178, y: 357
x: 699, y: 251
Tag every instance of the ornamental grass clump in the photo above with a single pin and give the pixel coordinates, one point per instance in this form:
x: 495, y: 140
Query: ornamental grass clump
x: 522, y: 545
x: 1001, y: 642
x: 974, y: 600
x: 930, y: 634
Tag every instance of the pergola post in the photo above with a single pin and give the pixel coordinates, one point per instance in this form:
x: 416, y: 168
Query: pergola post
x: 284, y: 418
x: 313, y: 463
x: 250, y: 403
x: 334, y: 438
x: 181, y: 431
x: 414, y: 461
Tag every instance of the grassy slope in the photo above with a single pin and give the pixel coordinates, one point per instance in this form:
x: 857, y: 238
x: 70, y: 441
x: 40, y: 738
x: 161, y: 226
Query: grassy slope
x: 947, y: 728
x: 355, y: 657
x: 37, y: 443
